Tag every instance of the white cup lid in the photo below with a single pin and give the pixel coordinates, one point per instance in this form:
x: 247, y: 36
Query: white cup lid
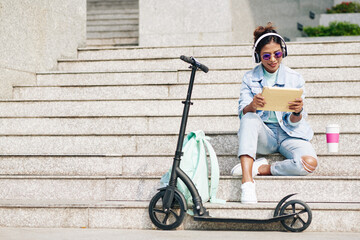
x: 333, y: 126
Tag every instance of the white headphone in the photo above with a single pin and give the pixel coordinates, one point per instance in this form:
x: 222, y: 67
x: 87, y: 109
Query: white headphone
x: 257, y: 56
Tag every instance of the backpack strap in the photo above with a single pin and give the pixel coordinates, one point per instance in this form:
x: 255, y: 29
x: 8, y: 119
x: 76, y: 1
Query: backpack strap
x: 215, y: 173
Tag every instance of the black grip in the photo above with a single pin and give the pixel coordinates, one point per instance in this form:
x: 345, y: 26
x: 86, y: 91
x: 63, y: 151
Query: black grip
x: 193, y: 62
x: 187, y: 59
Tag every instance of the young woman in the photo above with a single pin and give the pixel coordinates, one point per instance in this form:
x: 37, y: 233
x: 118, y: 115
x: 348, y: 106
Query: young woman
x: 267, y: 132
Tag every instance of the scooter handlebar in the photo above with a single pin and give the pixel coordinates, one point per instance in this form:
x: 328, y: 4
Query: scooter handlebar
x: 194, y: 62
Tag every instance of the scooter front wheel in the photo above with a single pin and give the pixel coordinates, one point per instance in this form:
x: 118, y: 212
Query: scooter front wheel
x: 302, y: 218
x: 166, y: 220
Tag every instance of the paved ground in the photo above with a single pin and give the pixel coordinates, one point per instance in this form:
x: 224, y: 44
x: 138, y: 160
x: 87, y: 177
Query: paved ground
x: 112, y: 234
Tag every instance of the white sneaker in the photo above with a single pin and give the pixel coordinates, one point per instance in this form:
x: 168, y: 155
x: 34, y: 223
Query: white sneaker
x: 248, y: 193
x: 237, y: 170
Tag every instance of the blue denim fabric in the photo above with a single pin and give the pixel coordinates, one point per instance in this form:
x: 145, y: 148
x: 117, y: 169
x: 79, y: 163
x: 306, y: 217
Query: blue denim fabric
x: 253, y: 83
x: 257, y: 137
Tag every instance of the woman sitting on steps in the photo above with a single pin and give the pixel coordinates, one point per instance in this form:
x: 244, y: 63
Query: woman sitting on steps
x: 267, y: 132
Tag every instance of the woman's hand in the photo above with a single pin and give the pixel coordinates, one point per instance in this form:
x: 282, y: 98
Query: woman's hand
x: 296, y: 105
x: 258, y: 101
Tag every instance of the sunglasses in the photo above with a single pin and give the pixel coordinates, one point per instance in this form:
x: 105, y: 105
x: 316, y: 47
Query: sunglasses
x: 267, y: 56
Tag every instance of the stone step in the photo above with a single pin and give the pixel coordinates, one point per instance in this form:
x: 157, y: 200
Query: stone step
x: 118, y: 165
x: 294, y: 49
x: 113, y: 16
x: 110, y: 1
x: 329, y: 165
x: 150, y: 125
x: 246, y: 62
x: 107, y: 7
x: 111, y: 11
x: 112, y: 41
x: 173, y: 77
x: 62, y: 165
x: 178, y: 91
x: 113, y: 34
x: 134, y: 215
x: 113, y: 5
x: 111, y: 22
x: 312, y: 188
x: 109, y: 28
x: 201, y: 107
x: 155, y: 145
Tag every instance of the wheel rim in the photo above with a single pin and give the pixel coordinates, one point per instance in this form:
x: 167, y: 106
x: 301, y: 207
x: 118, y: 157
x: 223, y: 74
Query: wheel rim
x: 302, y: 218
x: 166, y: 220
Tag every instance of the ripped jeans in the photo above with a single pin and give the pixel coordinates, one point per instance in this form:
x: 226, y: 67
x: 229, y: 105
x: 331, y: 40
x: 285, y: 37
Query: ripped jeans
x: 255, y: 136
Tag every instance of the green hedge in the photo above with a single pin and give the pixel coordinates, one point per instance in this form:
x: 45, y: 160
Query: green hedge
x: 345, y: 7
x: 334, y: 29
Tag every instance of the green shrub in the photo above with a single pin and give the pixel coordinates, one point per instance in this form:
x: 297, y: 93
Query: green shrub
x: 334, y: 29
x: 345, y: 7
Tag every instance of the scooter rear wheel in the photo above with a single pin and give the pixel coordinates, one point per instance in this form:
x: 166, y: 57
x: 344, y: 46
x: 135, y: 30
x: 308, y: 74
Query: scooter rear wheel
x: 166, y: 220
x: 301, y: 220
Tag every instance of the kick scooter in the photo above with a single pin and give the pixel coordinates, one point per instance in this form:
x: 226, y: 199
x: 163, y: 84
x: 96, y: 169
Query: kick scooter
x: 168, y: 207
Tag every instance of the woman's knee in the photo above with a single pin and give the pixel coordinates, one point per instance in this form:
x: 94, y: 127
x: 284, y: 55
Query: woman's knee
x: 250, y: 115
x: 309, y: 163
x: 250, y: 118
x: 249, y: 124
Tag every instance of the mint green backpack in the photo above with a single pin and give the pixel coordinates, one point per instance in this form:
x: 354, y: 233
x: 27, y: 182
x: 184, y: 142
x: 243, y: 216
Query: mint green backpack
x: 194, y: 163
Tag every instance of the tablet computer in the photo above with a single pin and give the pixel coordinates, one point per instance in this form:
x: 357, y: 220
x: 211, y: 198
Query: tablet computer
x: 278, y: 98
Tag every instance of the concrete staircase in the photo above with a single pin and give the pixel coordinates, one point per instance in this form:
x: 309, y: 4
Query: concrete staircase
x: 112, y: 22
x: 87, y: 145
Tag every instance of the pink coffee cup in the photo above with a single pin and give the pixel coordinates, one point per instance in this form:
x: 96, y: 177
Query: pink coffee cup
x: 332, y: 137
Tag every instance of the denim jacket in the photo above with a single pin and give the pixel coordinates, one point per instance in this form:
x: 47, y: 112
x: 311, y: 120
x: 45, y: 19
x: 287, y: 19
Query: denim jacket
x: 253, y: 83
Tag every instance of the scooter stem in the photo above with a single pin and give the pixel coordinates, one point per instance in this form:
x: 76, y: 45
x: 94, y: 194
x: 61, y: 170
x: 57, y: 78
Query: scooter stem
x: 170, y: 190
x: 179, y: 153
x: 176, y: 171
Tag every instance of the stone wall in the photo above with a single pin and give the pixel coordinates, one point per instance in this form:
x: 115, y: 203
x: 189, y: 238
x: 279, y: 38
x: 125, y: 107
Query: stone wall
x: 34, y: 34
x: 184, y: 22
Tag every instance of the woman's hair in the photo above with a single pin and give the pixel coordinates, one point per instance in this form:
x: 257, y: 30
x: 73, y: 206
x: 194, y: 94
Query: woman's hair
x: 259, y: 31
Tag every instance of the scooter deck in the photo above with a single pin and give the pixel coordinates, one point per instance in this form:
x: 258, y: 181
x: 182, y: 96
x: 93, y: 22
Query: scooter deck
x: 242, y: 220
